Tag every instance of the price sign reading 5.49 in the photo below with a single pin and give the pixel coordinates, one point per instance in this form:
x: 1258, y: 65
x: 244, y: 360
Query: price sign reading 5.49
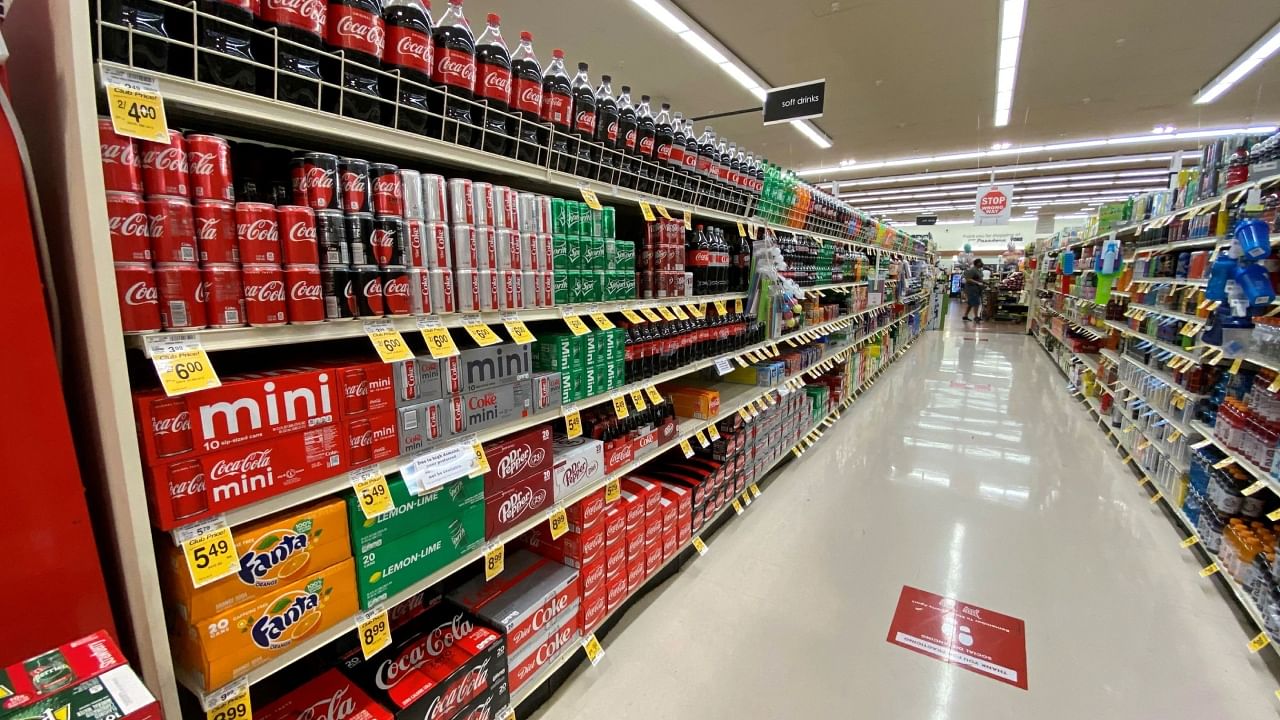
x: 210, y: 550
x: 372, y: 491
x: 181, y: 363
x: 387, y: 341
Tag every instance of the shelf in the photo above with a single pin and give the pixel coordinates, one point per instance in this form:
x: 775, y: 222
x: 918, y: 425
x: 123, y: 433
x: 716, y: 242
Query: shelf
x: 733, y: 397
x: 1197, y: 282
x: 1176, y: 424
x: 1088, y: 361
x: 188, y: 99
x: 1160, y: 344
x: 1210, y: 241
x: 1164, y: 377
x: 1169, y: 313
x: 1244, y: 463
x: 1154, y: 445
x: 1111, y: 355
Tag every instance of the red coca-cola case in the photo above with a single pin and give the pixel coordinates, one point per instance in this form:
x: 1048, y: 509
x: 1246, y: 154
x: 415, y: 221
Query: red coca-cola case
x: 516, y: 457
x: 615, y: 559
x: 635, y: 574
x: 572, y: 548
x: 650, y: 491
x: 615, y: 523
x: 633, y: 506
x: 593, y: 572
x: 586, y: 512
x: 615, y: 590
x: 85, y: 658
x: 524, y: 608
x: 523, y: 500
x: 618, y: 453
x: 439, y: 663
x: 364, y: 387
x: 653, y: 554
x: 187, y: 489
x: 329, y: 696
x: 372, y: 438
x: 593, y: 609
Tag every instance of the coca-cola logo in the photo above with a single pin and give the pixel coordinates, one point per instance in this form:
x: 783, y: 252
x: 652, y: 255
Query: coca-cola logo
x: 646, y: 146
x: 141, y: 293
x: 444, y: 636
x: 597, y: 574
x: 303, y: 290
x: 519, y: 459
x: 269, y: 291
x: 447, y: 703
x: 335, y: 707
x: 388, y: 185
x: 382, y: 238
x: 354, y: 182
x: 256, y: 460
x: 207, y: 228
x: 370, y: 33
x: 313, y: 10
x: 396, y: 286
x: 179, y: 423
x: 551, y: 647
x: 201, y: 163
x: 497, y: 82
x: 187, y: 488
x: 119, y: 154
x: 550, y: 611
x: 318, y: 177
x: 410, y: 44
x: 520, y: 502
x: 451, y: 66
x: 585, y: 120
x: 169, y: 158
x: 530, y: 96
x: 302, y: 232
x: 364, y: 439
x: 202, y: 292
x: 373, y: 287
x: 132, y: 225
x: 480, y: 712
x: 261, y: 230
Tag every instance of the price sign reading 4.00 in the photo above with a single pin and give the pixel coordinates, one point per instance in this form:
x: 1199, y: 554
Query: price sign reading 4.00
x: 136, y: 108
x: 181, y: 363
x: 387, y: 341
x: 439, y: 341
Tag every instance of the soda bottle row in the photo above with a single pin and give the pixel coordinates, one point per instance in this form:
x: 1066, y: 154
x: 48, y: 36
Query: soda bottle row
x: 660, y: 347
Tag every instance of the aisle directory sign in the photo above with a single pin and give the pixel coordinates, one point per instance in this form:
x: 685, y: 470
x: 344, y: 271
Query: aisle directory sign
x: 795, y: 102
x: 976, y: 639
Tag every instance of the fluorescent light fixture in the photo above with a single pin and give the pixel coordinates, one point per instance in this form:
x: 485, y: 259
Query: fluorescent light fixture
x: 1242, y: 66
x: 1042, y: 167
x: 662, y: 15
x: 1013, y: 14
x: 700, y: 44
x: 1000, y: 146
x: 808, y: 130
x: 738, y: 74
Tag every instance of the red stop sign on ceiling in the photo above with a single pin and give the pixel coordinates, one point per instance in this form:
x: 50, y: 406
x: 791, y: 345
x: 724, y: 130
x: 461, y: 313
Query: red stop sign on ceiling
x: 993, y: 203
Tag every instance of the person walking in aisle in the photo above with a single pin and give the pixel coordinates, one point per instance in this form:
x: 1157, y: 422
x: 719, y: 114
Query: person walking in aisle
x: 973, y: 287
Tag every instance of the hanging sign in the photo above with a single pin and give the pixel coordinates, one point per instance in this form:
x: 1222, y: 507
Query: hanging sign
x: 994, y: 205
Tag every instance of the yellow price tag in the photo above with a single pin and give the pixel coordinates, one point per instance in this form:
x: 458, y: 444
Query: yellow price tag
x: 1275, y: 385
x: 637, y: 399
x: 589, y: 197
x: 655, y: 397
x: 482, y: 460
x: 649, y: 314
x: 137, y: 110
x: 713, y: 432
x: 181, y: 363
x: 737, y: 506
x: 1235, y: 366
x: 439, y: 341
x: 741, y: 362
x: 720, y: 308
x: 746, y: 498
x: 742, y: 230
x: 666, y: 313
x: 612, y: 491
x: 1259, y: 642
x: 374, y: 630
x: 1173, y: 437
x: 755, y: 490
x: 632, y: 316
x: 686, y: 448
x: 558, y: 522
x: 1189, y: 542
x: 700, y: 546
x: 372, y: 492
x: 688, y: 219
x: 1208, y: 570
x: 695, y: 311
x: 679, y: 312
x: 663, y: 211
x: 517, y: 330
x: 387, y: 341
x: 702, y: 438
x: 1254, y: 487
x: 1156, y: 498
x: 228, y: 703
x: 620, y: 406
x: 495, y: 560
x: 480, y: 332
x: 1225, y: 462
x: 602, y: 321
x: 595, y: 653
x: 744, y: 414
x: 737, y: 305
x: 647, y: 211
x: 572, y: 422
x: 210, y: 550
x: 576, y: 326
x: 1274, y: 515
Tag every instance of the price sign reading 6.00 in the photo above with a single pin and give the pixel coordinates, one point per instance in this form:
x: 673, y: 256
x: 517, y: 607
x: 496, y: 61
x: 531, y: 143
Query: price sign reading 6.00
x: 439, y: 341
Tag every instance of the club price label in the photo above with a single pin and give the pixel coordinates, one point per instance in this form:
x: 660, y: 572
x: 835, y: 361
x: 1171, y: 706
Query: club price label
x: 595, y: 653
x: 494, y: 561
x: 742, y: 229
x: 632, y: 316
x: 696, y: 310
x: 589, y: 197
x: 755, y: 490
x: 679, y: 312
x: 620, y: 406
x: 702, y: 438
x: 655, y: 397
x: 231, y: 702
x: 572, y: 421
x: 482, y: 460
x: 699, y: 545
x: 1189, y: 542
x: 612, y: 491
x: 372, y: 492
x: 637, y: 399
x: 713, y: 432
x: 558, y: 523
x: 576, y: 326
x: 647, y: 211
x: 439, y: 341
x: 137, y: 110
x: 210, y: 550
x: 1209, y: 569
x: 737, y: 506
x: 650, y: 315
x: 666, y: 314
x: 181, y: 363
x: 374, y: 630
x: 516, y: 328
x: 480, y: 332
x: 686, y: 448
x: 719, y: 306
x: 602, y: 321
x: 387, y: 341
x: 663, y: 211
x: 688, y: 219
x: 1259, y: 642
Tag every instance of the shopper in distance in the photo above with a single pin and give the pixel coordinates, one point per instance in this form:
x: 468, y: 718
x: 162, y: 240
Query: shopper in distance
x: 973, y: 291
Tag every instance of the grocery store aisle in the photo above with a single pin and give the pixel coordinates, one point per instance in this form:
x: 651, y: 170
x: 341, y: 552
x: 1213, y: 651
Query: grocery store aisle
x: 967, y: 472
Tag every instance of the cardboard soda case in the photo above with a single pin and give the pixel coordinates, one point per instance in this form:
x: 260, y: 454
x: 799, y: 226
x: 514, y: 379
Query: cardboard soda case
x: 63, y: 667
x: 477, y: 410
x: 328, y: 696
x: 525, y: 604
x: 411, y: 512
x: 485, y: 367
x: 274, y: 551
x: 579, y: 462
x: 524, y: 499
x: 117, y: 694
x: 562, y: 636
x: 516, y: 457
x: 397, y: 563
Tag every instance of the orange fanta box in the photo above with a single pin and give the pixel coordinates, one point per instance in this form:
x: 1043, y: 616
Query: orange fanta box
x: 225, y: 646
x: 273, y: 552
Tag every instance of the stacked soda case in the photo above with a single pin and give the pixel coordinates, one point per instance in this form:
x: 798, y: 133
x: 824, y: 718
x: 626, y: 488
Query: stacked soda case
x: 634, y: 437
x: 660, y: 347
x: 591, y: 264
x: 589, y: 365
x: 83, y: 679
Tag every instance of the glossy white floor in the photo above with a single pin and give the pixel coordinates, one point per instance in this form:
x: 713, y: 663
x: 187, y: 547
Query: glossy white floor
x: 1008, y: 498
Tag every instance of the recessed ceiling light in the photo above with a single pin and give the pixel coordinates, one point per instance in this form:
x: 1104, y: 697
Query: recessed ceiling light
x: 1001, y: 146
x: 1241, y: 66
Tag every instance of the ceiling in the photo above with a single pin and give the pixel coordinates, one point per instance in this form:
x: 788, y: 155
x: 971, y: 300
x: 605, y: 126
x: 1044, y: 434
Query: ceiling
x: 917, y: 77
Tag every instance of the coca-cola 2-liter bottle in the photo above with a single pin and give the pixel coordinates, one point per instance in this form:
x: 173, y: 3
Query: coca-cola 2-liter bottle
x: 645, y: 142
x: 693, y: 181
x: 295, y: 21
x: 224, y: 28
x: 557, y: 110
x: 526, y: 101
x: 493, y: 85
x: 679, y: 180
x: 408, y: 49
x: 607, y: 130
x: 584, y: 122
x: 663, y: 137
x: 455, y: 72
x: 355, y: 29
x: 627, y: 137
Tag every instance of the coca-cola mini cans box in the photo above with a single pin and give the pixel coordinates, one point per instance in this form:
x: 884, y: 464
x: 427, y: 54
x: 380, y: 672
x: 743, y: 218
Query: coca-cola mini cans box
x: 575, y: 549
x: 478, y: 368
x: 546, y: 390
x: 474, y: 411
x: 419, y: 425
x: 516, y: 457
x: 364, y: 387
x: 416, y: 380
x: 579, y: 463
x: 372, y: 438
x: 525, y: 499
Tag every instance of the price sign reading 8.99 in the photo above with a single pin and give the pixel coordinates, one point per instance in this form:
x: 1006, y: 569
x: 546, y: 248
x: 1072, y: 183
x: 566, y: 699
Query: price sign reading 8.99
x: 374, y: 630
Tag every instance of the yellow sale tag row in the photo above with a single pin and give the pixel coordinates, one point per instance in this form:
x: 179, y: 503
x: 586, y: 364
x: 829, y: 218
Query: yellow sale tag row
x: 1189, y: 542
x: 679, y: 312
x: 702, y: 438
x: 637, y: 399
x: 181, y: 363
x: 558, y: 522
x: 1275, y: 385
x: 737, y: 506
x: 374, y: 629
x: 494, y: 561
x: 439, y: 341
x: 1235, y: 366
x: 1224, y: 463
x: 700, y: 546
x: 713, y: 432
x: 1156, y: 498
x: 1254, y: 487
x: 136, y: 108
x: 755, y: 490
x: 1209, y: 569
x: 372, y: 492
x: 720, y: 308
x: 482, y: 460
x: 210, y: 550
x: 620, y: 406
x: 655, y: 397
x: 696, y: 311
x: 1259, y: 642
x: 744, y: 414
x: 1274, y: 515
x: 230, y: 702
x: 647, y: 211
x: 737, y: 305
x: 663, y: 212
x: 602, y: 321
x: 480, y: 332
x: 650, y: 315
x: 686, y: 448
x: 595, y: 653
x: 589, y: 197
x: 688, y: 219
x: 387, y: 341
x: 572, y: 421
x: 632, y: 316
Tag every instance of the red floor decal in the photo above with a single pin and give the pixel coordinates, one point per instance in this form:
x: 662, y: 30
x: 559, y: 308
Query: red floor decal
x: 974, y: 638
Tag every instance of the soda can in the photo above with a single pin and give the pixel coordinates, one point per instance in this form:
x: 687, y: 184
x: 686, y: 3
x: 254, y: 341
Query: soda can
x: 209, y: 168
x: 467, y: 290
x: 411, y: 186
x: 385, y: 188
x: 490, y: 283
x: 367, y: 283
x: 264, y: 296
x: 224, y: 295
x: 528, y: 242
x: 437, y: 245
x: 530, y: 289
x: 171, y: 228
x: 435, y: 206
x: 419, y: 291
x: 164, y: 167
x: 510, y: 287
x: 461, y: 207
x: 482, y: 203
x: 545, y: 224
x: 609, y: 218
x: 331, y: 238
x: 527, y: 212
x: 120, y: 166
x: 317, y: 188
x: 180, y: 287
x: 169, y: 415
x: 443, y: 295
x: 360, y: 238
x: 130, y: 228
x: 387, y: 241
x: 546, y: 249
x: 353, y: 174
x: 548, y: 288
x: 486, y: 248
x: 596, y: 219
x: 257, y: 234
x: 139, y: 299
x: 504, y: 209
x: 297, y: 229
x: 507, y: 247
x: 560, y: 287
x: 339, y: 297
x: 304, y: 298
x: 644, y: 284
x: 215, y: 229
x: 396, y: 290
x: 465, y: 254
x: 560, y: 216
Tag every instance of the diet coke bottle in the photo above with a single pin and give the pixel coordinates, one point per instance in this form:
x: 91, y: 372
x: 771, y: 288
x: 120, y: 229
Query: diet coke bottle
x: 355, y: 29
x: 409, y: 50
x: 493, y: 84
x: 526, y: 100
x: 455, y: 69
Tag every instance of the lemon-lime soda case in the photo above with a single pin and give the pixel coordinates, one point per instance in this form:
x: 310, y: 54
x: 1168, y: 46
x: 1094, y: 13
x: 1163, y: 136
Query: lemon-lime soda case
x: 274, y: 551
x: 397, y: 563
x: 411, y: 512
x: 225, y: 646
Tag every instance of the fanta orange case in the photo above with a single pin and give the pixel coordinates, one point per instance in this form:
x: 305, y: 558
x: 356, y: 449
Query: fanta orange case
x: 221, y: 648
x: 273, y: 552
